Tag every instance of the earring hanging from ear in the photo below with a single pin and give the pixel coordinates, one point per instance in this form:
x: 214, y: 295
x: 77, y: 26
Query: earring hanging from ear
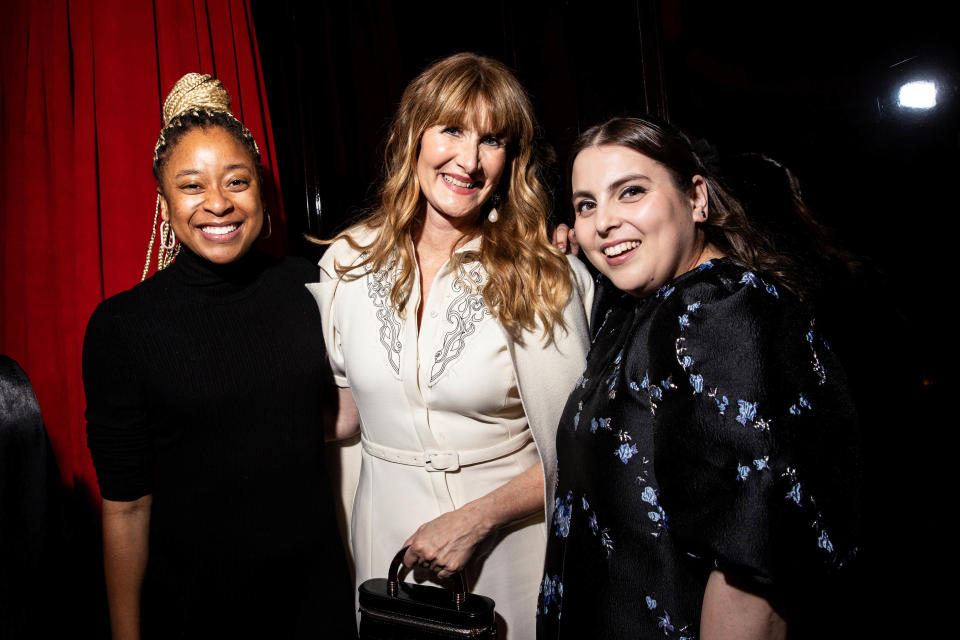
x: 269, y: 225
x: 167, y: 240
x: 493, y: 216
x: 153, y: 237
x: 169, y: 248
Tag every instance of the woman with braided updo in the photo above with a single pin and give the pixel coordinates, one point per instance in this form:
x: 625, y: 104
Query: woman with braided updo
x: 205, y: 395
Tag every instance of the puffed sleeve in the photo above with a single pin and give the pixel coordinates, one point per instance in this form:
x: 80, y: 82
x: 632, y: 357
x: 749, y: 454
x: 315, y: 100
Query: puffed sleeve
x: 325, y: 293
x: 118, y: 430
x: 756, y: 436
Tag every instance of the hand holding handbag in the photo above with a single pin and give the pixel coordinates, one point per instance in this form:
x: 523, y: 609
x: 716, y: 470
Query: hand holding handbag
x: 391, y: 609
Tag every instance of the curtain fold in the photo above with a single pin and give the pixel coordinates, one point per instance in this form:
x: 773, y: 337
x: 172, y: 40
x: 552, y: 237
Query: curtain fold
x: 81, y: 90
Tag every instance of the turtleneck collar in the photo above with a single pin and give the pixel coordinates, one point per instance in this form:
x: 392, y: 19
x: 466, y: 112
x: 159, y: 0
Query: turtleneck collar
x: 218, y: 279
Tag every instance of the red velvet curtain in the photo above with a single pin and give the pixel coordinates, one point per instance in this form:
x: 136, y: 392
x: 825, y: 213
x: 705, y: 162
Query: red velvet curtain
x: 81, y: 88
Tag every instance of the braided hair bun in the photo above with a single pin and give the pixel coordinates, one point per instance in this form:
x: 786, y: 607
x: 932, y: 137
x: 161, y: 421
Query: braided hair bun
x: 195, y: 92
x: 197, y: 99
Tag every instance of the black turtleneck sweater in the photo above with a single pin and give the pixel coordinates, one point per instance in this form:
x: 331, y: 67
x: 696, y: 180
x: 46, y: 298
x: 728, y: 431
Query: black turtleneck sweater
x: 205, y: 388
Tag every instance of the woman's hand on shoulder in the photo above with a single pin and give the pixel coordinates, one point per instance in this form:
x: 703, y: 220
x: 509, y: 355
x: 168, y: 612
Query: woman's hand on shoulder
x: 445, y: 544
x: 565, y: 239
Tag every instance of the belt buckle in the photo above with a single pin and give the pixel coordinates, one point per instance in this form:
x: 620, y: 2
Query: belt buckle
x: 434, y: 460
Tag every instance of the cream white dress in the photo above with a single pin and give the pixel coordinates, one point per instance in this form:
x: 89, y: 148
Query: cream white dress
x: 449, y: 387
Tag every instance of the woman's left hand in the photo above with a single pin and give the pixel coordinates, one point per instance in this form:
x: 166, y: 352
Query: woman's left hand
x: 445, y: 544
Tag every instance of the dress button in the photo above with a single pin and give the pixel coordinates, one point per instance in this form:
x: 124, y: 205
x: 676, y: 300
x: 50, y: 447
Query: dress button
x: 434, y: 314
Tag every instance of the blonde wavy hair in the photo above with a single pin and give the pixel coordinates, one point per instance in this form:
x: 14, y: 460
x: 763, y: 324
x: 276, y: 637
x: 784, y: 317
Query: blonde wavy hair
x: 528, y: 280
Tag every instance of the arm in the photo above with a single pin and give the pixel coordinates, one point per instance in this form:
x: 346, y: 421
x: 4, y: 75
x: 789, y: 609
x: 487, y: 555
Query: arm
x: 126, y: 530
x: 445, y: 544
x: 732, y: 614
x: 346, y: 423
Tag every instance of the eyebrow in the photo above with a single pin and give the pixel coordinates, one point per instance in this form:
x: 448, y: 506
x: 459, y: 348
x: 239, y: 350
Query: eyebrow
x: 196, y: 172
x: 614, y: 186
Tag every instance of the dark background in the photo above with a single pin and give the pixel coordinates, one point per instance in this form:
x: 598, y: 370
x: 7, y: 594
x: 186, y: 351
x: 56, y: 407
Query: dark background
x: 811, y: 84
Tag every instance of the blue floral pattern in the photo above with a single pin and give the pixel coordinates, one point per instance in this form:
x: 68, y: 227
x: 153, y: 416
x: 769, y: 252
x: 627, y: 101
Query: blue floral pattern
x: 656, y: 384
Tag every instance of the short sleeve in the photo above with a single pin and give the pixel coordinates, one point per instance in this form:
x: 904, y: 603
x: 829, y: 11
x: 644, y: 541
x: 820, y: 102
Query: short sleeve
x: 118, y: 430
x: 325, y: 293
x: 755, y: 436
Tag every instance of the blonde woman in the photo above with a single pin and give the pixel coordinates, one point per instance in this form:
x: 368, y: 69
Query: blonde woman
x: 455, y: 331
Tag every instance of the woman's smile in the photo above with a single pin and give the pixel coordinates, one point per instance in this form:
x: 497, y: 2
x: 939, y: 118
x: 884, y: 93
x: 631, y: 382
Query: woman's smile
x: 460, y: 184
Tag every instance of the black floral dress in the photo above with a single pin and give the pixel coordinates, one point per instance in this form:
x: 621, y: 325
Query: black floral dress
x: 711, y: 429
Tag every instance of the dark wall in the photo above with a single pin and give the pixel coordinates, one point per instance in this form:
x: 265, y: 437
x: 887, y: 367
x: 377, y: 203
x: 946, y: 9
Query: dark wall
x: 815, y: 85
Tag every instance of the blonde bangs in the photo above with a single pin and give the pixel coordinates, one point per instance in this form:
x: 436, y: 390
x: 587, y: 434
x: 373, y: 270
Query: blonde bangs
x: 482, y: 100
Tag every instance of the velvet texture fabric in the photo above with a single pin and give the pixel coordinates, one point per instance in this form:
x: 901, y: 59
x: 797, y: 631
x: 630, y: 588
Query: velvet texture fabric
x: 712, y: 428
x: 82, y: 84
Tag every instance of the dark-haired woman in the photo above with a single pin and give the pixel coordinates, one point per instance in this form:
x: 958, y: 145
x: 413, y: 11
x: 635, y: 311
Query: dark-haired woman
x: 707, y: 470
x: 204, y: 402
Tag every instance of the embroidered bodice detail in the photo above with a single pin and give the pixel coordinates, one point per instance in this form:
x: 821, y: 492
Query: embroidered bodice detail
x: 464, y: 313
x: 379, y: 285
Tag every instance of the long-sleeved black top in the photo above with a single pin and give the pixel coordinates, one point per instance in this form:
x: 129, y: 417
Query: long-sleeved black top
x: 205, y: 388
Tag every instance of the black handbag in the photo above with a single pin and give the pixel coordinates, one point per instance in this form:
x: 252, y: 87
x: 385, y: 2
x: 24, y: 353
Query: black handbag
x: 391, y: 609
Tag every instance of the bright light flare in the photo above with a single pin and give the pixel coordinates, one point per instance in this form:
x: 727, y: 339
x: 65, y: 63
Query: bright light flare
x: 919, y: 94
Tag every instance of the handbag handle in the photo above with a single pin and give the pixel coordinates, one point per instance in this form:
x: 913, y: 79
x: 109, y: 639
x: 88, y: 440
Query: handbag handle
x: 393, y: 580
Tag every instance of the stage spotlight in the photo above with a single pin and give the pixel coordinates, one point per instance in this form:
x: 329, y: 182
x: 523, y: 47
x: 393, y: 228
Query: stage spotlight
x: 918, y: 94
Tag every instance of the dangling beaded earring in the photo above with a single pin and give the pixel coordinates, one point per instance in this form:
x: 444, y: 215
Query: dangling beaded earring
x: 493, y: 216
x: 167, y: 250
x: 167, y: 240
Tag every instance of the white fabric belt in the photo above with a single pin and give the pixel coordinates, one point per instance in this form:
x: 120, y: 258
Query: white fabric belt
x: 447, y: 459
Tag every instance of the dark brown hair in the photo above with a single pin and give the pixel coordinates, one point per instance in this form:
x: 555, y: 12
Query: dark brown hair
x: 728, y: 227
